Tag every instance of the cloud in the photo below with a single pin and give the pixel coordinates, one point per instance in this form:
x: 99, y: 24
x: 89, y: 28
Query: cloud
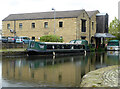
x: 28, y: 6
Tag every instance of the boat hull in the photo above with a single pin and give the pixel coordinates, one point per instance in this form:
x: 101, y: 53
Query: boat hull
x: 54, y: 52
x: 43, y: 48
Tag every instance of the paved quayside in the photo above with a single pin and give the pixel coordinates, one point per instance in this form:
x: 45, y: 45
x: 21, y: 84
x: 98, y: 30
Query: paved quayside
x: 103, y: 77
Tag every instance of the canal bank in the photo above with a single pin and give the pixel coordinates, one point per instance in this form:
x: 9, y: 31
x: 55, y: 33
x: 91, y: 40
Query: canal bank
x: 103, y: 77
x: 13, y: 51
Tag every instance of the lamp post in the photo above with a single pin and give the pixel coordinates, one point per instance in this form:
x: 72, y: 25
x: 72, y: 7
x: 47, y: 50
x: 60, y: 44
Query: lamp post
x: 54, y: 19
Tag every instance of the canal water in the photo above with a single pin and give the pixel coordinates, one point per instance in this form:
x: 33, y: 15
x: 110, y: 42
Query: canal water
x: 48, y: 71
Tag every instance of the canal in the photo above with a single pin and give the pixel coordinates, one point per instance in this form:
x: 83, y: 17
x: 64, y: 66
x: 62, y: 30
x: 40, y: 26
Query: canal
x: 48, y: 71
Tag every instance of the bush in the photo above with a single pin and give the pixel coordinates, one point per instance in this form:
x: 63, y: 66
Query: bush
x: 92, y: 49
x: 51, y: 38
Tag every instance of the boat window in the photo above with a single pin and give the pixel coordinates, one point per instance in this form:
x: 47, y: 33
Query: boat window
x: 76, y: 46
x: 49, y: 47
x: 41, y: 46
x: 113, y: 44
x: 32, y: 44
x: 67, y: 46
x: 78, y: 42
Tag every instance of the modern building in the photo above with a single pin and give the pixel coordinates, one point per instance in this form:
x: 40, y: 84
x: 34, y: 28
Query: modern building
x: 73, y: 24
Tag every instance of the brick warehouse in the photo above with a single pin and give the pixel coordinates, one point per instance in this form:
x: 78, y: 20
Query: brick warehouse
x: 73, y: 24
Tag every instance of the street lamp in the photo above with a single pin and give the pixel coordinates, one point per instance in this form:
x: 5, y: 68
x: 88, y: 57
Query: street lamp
x: 54, y: 19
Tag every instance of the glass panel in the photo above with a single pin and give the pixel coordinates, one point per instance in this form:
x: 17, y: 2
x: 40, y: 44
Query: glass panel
x: 60, y: 24
x: 113, y: 44
x: 33, y: 25
x: 8, y: 26
x: 46, y: 25
x: 20, y: 25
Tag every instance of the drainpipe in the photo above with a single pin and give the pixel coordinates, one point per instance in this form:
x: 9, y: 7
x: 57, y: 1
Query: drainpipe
x: 76, y: 28
x: 89, y: 30
x: 14, y: 28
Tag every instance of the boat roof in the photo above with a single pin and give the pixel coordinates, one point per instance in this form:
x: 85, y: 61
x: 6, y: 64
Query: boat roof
x: 114, y: 41
x: 55, y: 43
x: 79, y: 40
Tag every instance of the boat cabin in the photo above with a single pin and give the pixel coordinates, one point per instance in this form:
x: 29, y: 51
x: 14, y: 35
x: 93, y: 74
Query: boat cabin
x: 113, y: 45
x: 82, y: 42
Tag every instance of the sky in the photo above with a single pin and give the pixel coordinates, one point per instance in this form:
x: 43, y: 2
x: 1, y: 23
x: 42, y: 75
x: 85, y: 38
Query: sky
x: 28, y: 6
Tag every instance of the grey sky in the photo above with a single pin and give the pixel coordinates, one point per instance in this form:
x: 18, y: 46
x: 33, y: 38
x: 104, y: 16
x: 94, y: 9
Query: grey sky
x: 27, y: 6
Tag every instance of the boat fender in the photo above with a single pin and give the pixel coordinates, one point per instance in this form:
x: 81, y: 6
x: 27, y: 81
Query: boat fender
x: 53, y: 53
x: 85, y: 52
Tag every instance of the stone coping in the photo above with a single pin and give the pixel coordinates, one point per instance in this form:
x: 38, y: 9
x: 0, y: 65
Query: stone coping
x: 103, y: 77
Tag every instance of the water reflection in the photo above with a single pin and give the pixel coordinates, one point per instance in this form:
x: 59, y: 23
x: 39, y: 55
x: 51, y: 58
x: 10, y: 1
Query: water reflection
x: 0, y: 71
x: 49, y: 71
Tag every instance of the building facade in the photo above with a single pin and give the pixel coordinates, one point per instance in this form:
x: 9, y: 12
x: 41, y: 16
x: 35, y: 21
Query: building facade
x: 71, y: 25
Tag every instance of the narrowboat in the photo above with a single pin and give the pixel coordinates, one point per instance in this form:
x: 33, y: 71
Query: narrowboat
x: 48, y: 48
x: 82, y: 42
x: 113, y: 45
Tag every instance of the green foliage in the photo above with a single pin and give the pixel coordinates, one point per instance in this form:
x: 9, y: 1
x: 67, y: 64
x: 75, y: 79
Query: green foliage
x: 92, y: 49
x: 51, y: 38
x: 114, y: 28
x: 99, y: 49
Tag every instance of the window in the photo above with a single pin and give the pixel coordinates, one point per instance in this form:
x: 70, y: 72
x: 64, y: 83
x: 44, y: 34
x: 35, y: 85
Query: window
x: 83, y: 37
x: 92, y: 25
x: 20, y: 25
x: 33, y: 25
x: 8, y: 26
x: 83, y: 28
x: 60, y: 24
x: 45, y: 24
x: 33, y: 38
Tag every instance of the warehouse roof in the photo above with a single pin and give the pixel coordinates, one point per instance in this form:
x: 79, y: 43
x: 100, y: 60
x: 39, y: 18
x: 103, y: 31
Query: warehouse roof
x: 47, y: 15
x: 91, y: 13
x: 44, y: 15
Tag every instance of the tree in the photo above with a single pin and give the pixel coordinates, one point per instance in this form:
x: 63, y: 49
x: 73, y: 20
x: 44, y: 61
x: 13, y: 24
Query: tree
x: 114, y: 28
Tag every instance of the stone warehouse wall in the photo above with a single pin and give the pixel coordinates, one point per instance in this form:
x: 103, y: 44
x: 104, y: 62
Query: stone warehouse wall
x: 13, y: 45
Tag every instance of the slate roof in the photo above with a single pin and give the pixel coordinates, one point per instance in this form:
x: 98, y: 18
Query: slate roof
x: 47, y: 15
x: 91, y: 13
x: 44, y: 15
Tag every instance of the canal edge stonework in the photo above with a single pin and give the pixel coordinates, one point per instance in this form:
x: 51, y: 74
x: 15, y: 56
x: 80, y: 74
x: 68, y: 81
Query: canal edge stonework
x: 103, y: 77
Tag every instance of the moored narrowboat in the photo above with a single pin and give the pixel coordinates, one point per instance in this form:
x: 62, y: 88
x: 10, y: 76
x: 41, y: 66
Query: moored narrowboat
x: 113, y: 45
x: 53, y: 48
x: 82, y: 42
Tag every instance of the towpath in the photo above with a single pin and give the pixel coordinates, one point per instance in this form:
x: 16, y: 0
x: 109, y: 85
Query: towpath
x: 104, y: 77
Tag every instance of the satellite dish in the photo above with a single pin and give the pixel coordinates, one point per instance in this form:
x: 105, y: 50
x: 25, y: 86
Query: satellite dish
x: 11, y: 30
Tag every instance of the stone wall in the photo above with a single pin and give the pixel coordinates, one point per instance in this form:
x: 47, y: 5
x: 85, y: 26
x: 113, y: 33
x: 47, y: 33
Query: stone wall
x: 71, y: 27
x: 13, y: 45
